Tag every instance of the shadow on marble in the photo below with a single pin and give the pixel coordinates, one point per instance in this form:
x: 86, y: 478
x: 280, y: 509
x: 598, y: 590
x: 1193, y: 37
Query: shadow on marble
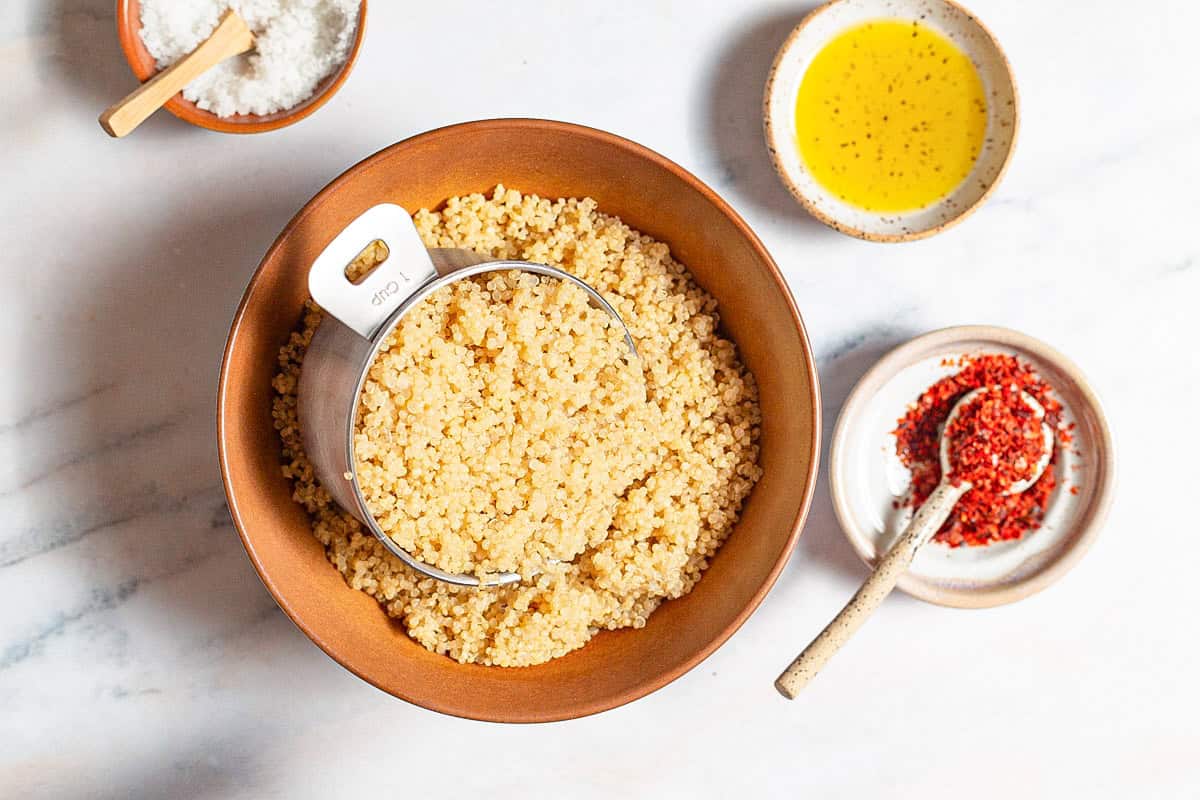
x: 117, y: 492
x: 734, y: 116
x: 87, y: 54
x: 86, y: 62
x: 823, y: 543
x: 205, y: 774
x: 134, y: 504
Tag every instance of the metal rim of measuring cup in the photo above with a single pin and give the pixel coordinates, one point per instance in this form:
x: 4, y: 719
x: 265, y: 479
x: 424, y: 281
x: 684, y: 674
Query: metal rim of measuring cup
x: 377, y: 342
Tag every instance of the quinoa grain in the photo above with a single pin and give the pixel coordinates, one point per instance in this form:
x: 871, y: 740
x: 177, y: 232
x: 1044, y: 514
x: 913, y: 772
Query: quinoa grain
x: 503, y: 427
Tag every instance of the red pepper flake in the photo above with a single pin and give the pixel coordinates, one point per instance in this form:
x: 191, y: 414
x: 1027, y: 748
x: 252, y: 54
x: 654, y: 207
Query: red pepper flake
x: 984, y: 514
x: 995, y: 440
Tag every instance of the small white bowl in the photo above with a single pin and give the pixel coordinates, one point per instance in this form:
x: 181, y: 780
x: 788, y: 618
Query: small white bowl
x: 866, y: 477
x: 810, y: 36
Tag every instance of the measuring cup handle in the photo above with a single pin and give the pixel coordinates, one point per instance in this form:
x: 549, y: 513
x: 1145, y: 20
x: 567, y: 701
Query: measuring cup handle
x: 364, y: 306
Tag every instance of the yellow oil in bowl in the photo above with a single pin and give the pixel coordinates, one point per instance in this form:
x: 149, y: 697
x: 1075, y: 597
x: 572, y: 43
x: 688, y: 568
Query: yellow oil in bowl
x: 891, y: 116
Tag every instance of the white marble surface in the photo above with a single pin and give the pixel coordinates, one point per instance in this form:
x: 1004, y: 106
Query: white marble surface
x: 141, y: 657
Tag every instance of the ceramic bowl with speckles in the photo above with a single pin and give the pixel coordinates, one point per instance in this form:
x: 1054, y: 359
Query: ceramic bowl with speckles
x: 779, y: 115
x: 868, y: 482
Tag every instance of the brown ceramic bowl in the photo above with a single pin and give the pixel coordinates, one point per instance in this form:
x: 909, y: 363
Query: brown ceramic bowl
x: 649, y: 192
x: 129, y: 26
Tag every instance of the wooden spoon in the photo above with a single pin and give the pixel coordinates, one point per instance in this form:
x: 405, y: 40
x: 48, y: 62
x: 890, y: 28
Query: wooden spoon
x: 230, y: 38
x: 925, y: 523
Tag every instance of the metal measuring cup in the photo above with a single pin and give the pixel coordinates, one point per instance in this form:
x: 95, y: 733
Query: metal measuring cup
x: 358, y: 318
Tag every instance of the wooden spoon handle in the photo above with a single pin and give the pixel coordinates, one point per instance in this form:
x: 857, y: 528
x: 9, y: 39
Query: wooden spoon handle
x: 925, y: 523
x: 230, y: 37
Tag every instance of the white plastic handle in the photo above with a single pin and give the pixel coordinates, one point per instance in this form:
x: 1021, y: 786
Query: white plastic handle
x: 363, y: 307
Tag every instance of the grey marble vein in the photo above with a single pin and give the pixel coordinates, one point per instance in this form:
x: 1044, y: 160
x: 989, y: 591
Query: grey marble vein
x: 36, y: 541
x: 871, y: 334
x: 44, y: 412
x: 94, y: 451
x: 101, y: 600
x: 106, y: 599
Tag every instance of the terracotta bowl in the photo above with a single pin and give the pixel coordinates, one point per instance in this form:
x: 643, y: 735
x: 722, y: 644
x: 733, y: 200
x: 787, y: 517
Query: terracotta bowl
x: 651, y: 193
x: 129, y: 26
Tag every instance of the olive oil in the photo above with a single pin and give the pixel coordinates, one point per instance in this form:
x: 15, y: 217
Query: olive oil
x: 891, y: 116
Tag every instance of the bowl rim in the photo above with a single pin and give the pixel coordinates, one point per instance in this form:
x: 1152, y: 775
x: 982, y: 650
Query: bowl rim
x: 771, y: 135
x: 1090, y: 524
x: 129, y: 34
x: 533, y: 126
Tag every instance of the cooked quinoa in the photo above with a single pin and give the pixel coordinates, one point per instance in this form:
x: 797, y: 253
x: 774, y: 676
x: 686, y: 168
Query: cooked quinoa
x: 505, y: 427
x: 501, y: 424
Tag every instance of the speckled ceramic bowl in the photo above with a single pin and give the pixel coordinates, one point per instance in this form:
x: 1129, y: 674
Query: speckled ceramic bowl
x: 129, y: 28
x: 866, y: 477
x: 810, y: 36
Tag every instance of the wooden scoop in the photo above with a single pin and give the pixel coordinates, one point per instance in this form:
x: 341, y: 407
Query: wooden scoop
x: 230, y: 38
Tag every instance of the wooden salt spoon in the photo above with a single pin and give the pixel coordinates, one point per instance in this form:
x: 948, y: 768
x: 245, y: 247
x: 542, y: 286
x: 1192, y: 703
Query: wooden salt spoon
x: 925, y: 523
x: 230, y: 38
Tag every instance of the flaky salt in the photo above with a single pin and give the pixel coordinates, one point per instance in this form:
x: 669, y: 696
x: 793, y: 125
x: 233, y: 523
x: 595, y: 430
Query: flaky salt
x: 298, y: 43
